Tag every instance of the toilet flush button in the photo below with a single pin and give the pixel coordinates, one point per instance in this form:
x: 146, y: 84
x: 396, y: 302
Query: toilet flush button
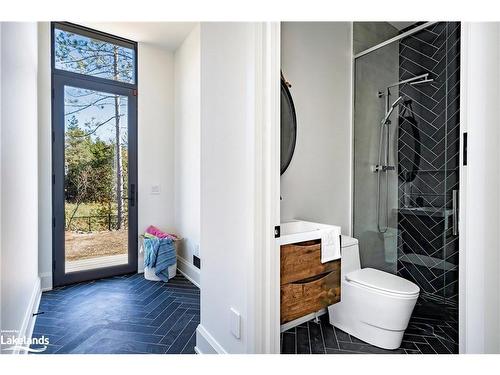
x: 235, y: 322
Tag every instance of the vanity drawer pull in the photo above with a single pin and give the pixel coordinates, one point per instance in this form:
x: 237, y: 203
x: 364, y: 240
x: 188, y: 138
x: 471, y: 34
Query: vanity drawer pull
x: 306, y: 244
x: 311, y: 279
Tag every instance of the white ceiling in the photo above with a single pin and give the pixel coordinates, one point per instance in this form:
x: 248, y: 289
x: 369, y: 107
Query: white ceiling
x: 401, y: 25
x: 167, y: 35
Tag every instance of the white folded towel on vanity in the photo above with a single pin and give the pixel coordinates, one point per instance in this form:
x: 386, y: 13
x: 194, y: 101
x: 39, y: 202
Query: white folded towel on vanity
x: 330, y: 244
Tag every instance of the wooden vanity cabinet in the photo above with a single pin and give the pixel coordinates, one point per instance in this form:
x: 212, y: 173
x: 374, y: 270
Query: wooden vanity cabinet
x: 307, y: 285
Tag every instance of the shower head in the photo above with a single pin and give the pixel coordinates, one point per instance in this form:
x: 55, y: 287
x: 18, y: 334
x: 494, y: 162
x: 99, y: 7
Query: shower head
x: 428, y: 80
x: 389, y: 112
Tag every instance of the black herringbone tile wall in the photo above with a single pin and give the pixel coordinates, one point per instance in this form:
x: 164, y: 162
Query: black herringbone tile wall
x: 428, y: 161
x: 123, y: 314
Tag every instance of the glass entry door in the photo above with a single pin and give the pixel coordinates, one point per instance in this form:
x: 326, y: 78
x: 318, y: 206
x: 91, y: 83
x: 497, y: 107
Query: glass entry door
x: 94, y: 160
x: 95, y: 189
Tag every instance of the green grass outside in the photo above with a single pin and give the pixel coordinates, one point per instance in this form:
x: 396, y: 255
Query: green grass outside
x: 88, y: 209
x: 100, y: 221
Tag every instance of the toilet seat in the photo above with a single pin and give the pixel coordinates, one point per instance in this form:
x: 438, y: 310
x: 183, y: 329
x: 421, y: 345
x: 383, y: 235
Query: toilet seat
x: 384, y: 282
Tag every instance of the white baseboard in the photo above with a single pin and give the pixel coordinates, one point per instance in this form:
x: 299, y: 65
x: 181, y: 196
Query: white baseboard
x: 185, y: 268
x: 29, y: 320
x: 46, y: 281
x: 189, y: 271
x: 206, y: 344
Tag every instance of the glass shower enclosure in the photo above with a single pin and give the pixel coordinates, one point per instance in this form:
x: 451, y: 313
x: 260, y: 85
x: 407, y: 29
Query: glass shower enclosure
x: 406, y: 158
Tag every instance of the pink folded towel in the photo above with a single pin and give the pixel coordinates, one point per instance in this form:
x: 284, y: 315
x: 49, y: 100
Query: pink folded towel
x: 160, y: 234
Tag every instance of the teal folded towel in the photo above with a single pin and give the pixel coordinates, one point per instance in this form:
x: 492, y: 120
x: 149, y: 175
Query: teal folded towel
x: 160, y: 254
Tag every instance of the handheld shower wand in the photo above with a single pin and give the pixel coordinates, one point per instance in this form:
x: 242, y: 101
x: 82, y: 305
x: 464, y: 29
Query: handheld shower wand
x: 384, y: 165
x: 389, y: 112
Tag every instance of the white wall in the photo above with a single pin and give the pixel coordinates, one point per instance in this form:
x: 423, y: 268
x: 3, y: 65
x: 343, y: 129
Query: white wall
x: 44, y: 158
x: 227, y: 178
x: 0, y: 173
x: 480, y: 185
x: 19, y: 201
x: 316, y: 59
x: 187, y: 145
x: 155, y: 144
x: 156, y: 138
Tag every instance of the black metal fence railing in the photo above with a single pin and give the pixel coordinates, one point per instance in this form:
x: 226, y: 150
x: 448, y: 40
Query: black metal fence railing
x: 96, y: 223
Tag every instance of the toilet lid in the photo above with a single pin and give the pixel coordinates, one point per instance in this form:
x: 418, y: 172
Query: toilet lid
x: 384, y: 281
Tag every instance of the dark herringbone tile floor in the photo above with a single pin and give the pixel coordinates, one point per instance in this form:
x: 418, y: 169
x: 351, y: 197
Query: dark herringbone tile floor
x: 433, y: 329
x: 123, y: 314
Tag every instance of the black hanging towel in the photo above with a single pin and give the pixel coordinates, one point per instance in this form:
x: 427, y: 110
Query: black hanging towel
x: 409, y: 146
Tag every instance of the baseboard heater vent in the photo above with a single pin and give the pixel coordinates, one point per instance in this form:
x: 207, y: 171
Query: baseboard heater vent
x: 196, y: 262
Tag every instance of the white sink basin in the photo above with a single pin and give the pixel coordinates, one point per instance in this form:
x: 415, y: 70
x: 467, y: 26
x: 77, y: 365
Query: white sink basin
x: 299, y: 231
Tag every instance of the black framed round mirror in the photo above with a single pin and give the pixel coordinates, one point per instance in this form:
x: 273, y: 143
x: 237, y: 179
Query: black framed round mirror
x: 288, y: 126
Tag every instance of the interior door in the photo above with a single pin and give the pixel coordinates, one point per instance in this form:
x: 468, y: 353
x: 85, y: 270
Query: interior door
x: 94, y: 180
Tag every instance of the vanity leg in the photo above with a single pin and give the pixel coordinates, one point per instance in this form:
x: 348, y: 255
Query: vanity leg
x: 316, y: 318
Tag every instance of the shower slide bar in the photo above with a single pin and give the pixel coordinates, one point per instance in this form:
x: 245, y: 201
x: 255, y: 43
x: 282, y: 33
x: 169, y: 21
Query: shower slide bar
x: 396, y: 38
x: 383, y: 165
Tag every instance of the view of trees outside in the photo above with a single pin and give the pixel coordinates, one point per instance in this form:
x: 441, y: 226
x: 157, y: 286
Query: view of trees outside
x: 80, y: 54
x: 96, y: 148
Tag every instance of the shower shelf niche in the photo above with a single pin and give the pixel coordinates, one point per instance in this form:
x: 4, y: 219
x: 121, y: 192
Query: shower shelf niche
x: 425, y: 211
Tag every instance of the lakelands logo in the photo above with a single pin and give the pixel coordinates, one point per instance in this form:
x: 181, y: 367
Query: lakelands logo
x: 10, y: 341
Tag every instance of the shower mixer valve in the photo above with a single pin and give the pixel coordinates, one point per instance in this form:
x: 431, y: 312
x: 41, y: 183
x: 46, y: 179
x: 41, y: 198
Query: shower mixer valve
x: 383, y: 168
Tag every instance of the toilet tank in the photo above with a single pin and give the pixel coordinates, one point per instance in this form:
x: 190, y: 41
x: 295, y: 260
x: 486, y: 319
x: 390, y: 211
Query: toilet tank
x: 350, y: 256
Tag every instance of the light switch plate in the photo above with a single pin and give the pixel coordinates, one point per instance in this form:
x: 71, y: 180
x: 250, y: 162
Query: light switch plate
x: 235, y: 321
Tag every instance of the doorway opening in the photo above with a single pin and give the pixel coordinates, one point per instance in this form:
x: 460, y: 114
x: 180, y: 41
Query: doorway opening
x: 94, y: 154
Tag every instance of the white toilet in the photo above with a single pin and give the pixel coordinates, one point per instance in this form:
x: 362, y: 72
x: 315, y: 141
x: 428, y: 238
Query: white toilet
x: 375, y: 306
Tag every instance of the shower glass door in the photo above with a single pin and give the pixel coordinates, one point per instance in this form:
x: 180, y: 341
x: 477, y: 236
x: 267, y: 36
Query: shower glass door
x: 404, y: 213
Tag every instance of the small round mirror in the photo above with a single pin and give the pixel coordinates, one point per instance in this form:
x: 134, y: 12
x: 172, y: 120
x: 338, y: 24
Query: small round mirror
x: 288, y: 126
